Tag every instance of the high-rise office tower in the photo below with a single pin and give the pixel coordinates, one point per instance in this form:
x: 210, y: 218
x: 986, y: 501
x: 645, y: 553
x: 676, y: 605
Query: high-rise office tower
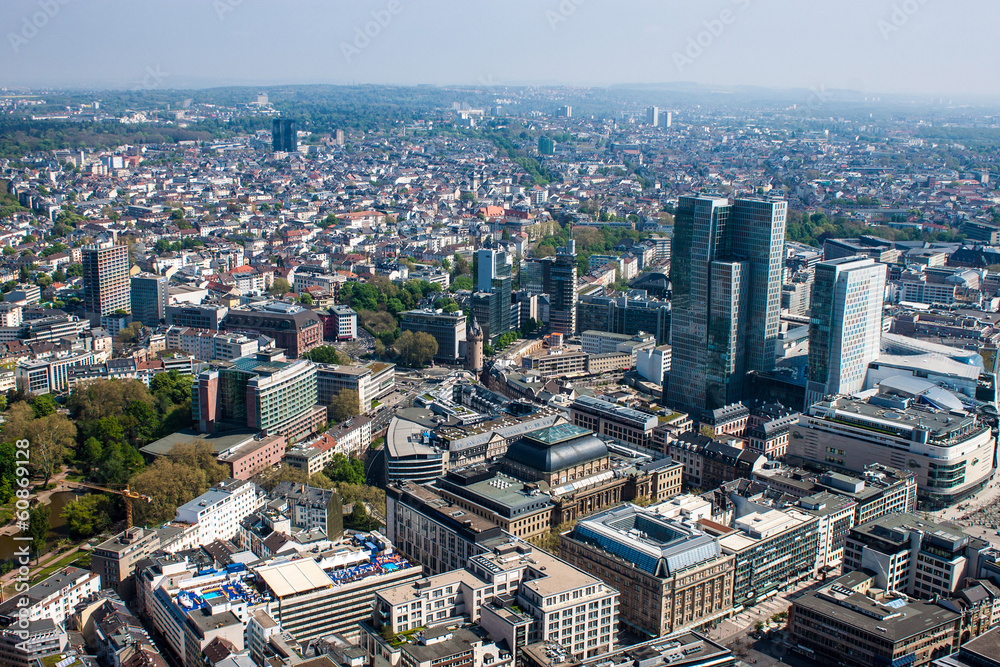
x: 493, y: 271
x: 845, y: 330
x: 726, y: 262
x: 653, y: 116
x: 105, y: 280
x: 283, y: 135
x: 536, y: 275
x: 562, y: 311
x: 149, y: 298
x: 670, y: 119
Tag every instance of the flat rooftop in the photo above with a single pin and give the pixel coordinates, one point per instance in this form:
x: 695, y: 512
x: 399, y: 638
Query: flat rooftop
x: 294, y: 577
x: 220, y: 442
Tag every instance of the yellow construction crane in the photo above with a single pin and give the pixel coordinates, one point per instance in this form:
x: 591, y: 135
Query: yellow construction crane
x: 126, y: 493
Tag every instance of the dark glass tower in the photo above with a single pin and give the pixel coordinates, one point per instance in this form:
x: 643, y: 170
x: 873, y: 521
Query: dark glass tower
x: 283, y: 135
x: 562, y: 310
x: 491, y: 302
x: 726, y: 278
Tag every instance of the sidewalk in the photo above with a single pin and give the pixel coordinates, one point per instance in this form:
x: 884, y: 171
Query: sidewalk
x: 745, y: 620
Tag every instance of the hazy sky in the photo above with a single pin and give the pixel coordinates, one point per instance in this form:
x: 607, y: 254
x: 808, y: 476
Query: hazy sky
x: 874, y: 46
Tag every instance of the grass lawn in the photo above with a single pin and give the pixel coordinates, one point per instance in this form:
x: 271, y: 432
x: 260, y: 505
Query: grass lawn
x: 60, y: 563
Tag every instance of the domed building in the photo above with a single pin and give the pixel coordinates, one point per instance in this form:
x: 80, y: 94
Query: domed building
x: 474, y: 347
x: 557, y: 455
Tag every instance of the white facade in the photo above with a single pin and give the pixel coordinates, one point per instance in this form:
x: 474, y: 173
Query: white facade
x: 653, y: 364
x: 55, y: 597
x: 345, y: 322
x: 218, y: 511
x: 846, y: 327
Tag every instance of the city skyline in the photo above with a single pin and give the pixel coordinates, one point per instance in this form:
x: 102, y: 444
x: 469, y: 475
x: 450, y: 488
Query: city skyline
x: 881, y: 48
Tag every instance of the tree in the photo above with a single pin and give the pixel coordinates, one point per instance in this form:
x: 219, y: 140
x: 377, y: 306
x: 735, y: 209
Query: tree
x: 528, y: 327
x: 345, y: 405
x: 306, y: 299
x: 279, y: 287
x: 324, y: 354
x: 49, y: 437
x: 417, y: 349
x: 172, y: 386
x: 461, y: 266
x: 43, y: 405
x: 461, y: 283
x: 110, y: 398
x: 38, y: 526
x: 89, y: 515
x: 341, y: 468
x: 358, y: 519
x: 130, y: 334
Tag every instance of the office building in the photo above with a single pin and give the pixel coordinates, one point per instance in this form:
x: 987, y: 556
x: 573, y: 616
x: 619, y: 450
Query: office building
x: 909, y: 425
x: 149, y: 298
x: 115, y: 559
x: 536, y: 275
x: 284, y: 135
x: 434, y: 532
x: 726, y: 270
x: 197, y: 316
x: 312, y: 602
x: 562, y: 309
x: 372, y: 381
x: 448, y: 329
x: 210, y: 346
x: 217, y: 512
x: 558, y: 602
x: 653, y: 116
x: 851, y: 621
x: 771, y: 551
x: 294, y: 328
x: 493, y: 289
x: 624, y: 315
x: 687, y: 649
x: 878, y: 491
x: 52, y: 375
x: 105, y: 280
x: 41, y: 642
x: 345, y: 322
x: 625, y: 425
x: 546, y: 145
x: 845, y: 327
x: 263, y: 392
x: 670, y: 575
x: 916, y: 556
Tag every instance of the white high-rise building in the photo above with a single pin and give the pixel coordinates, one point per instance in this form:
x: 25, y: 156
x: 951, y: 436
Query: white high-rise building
x: 846, y: 324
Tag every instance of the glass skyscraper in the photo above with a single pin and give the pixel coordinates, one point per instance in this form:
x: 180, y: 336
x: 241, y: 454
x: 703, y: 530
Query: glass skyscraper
x: 725, y: 272
x: 562, y: 310
x: 845, y: 329
x: 491, y: 301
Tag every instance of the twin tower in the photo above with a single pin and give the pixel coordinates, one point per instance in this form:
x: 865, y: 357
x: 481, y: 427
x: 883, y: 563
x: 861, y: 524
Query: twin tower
x: 726, y: 275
